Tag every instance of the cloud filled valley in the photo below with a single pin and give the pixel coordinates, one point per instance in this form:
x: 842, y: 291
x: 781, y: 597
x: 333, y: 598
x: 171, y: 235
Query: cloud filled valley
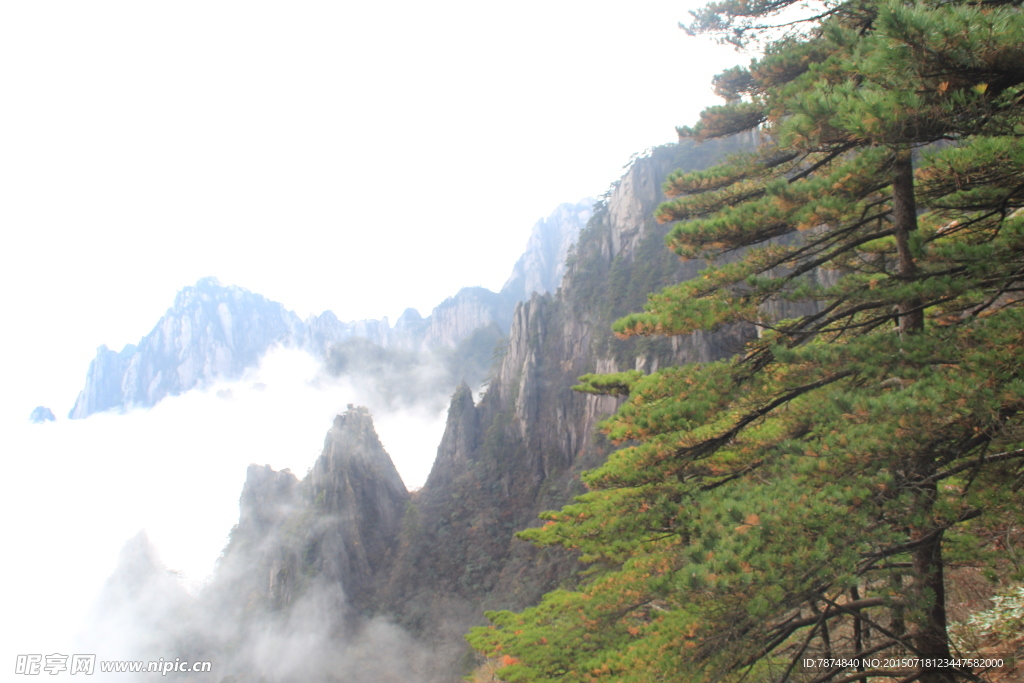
x: 85, y: 487
x: 414, y: 571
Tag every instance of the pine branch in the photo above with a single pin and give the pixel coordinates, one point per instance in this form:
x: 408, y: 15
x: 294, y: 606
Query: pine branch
x: 978, y: 462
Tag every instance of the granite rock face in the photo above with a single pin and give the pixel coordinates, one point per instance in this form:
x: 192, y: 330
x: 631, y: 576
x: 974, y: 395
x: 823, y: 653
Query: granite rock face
x: 542, y: 266
x: 433, y: 561
x: 457, y: 317
x: 293, y: 595
x: 41, y: 414
x: 213, y: 332
x: 354, y: 485
x: 521, y: 448
x: 338, y: 525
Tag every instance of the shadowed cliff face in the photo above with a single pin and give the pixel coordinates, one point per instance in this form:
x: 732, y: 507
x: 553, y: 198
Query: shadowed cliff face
x: 360, y: 500
x: 293, y: 596
x: 336, y: 527
x: 521, y: 449
x: 350, y: 540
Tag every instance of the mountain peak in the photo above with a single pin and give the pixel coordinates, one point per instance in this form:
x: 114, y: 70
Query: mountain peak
x: 211, y: 332
x: 41, y: 414
x: 541, y: 267
x: 352, y: 446
x: 208, y: 282
x: 214, y: 331
x: 206, y: 289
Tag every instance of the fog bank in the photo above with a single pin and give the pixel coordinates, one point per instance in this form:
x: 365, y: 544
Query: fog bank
x: 80, y: 489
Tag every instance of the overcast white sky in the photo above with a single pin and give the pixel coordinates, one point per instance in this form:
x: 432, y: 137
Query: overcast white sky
x: 360, y: 157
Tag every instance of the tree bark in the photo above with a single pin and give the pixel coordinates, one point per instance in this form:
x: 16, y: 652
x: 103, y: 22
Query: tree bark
x: 904, y: 210
x: 930, y: 636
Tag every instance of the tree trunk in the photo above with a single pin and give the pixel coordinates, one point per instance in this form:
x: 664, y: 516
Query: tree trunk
x: 930, y: 637
x: 904, y: 210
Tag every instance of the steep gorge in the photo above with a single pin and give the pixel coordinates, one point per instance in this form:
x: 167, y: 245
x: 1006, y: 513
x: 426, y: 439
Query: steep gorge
x: 521, y: 448
x: 349, y: 538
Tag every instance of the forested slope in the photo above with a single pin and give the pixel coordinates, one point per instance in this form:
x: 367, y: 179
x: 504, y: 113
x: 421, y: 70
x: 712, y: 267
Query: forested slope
x: 793, y: 513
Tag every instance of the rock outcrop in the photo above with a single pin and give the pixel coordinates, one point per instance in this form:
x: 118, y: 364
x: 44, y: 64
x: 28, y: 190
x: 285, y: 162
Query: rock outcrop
x: 41, y: 414
x: 457, y: 317
x: 293, y: 595
x: 361, y: 500
x: 213, y: 332
x: 520, y: 450
x: 337, y: 526
x: 434, y: 560
x: 542, y: 266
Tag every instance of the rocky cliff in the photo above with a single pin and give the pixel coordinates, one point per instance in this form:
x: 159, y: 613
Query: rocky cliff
x: 541, y: 268
x: 294, y: 594
x: 347, y: 550
x: 502, y: 460
x: 520, y: 450
x: 337, y: 526
x: 210, y: 332
x: 356, y: 487
x: 213, y: 332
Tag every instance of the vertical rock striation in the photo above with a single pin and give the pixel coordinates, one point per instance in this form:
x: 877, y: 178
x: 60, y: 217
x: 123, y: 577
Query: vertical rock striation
x: 360, y: 499
x: 542, y: 266
x: 338, y: 525
x: 436, y: 559
x: 214, y: 332
x: 294, y: 594
x: 211, y: 332
x: 520, y: 450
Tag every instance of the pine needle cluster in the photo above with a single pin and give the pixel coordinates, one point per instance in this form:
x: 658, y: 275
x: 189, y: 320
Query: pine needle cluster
x: 802, y: 501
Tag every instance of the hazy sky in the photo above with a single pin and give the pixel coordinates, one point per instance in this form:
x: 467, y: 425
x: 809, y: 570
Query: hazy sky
x: 77, y: 490
x: 361, y: 157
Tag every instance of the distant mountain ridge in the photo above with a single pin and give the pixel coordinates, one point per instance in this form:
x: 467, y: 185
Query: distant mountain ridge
x: 211, y: 331
x: 542, y: 266
x: 216, y: 332
x: 430, y: 563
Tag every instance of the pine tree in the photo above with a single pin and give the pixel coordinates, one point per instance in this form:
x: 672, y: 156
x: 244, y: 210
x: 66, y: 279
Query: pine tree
x: 797, y: 501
